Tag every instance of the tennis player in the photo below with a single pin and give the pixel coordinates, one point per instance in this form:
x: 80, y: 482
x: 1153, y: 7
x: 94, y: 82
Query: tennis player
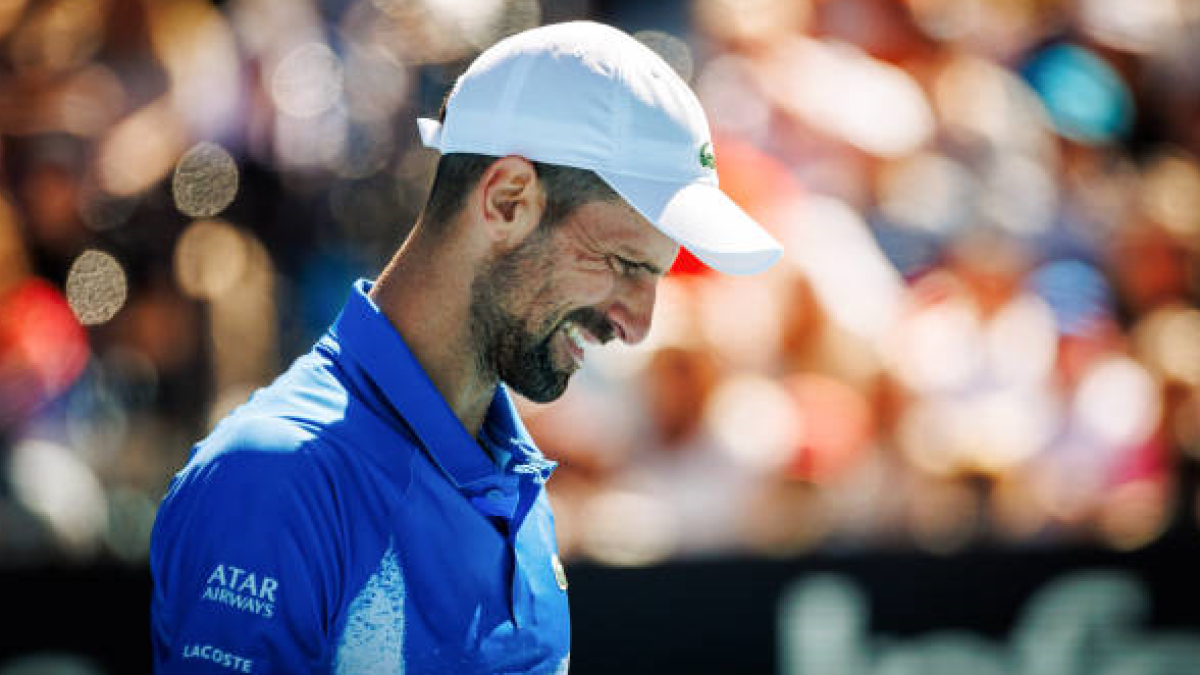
x: 379, y: 508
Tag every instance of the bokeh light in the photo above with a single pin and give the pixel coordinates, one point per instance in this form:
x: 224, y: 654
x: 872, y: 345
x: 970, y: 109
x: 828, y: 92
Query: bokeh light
x: 412, y: 31
x: 756, y: 419
x: 929, y: 192
x: 376, y: 83
x: 726, y: 87
x: 90, y: 102
x: 868, y: 103
x: 306, y: 144
x: 1087, y: 100
x: 742, y: 326
x: 1134, y: 514
x: 1118, y: 401
x: 948, y: 19
x: 1171, y: 194
x: 1022, y: 342
x: 996, y: 432
x: 483, y: 22
x: 853, y: 280
x: 53, y: 483
x: 242, y: 314
x: 59, y: 35
x: 210, y: 257
x: 205, y: 181
x: 983, y: 102
x: 1136, y: 27
x: 307, y: 81
x: 1168, y: 339
x: 198, y: 49
x: 10, y: 11
x: 140, y: 150
x: 836, y: 427
x: 96, y: 287
x: 627, y: 529
x: 753, y: 22
x: 1076, y: 292
x: 1018, y: 195
x: 939, y: 347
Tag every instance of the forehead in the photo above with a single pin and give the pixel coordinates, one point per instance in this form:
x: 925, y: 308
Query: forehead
x: 613, y: 226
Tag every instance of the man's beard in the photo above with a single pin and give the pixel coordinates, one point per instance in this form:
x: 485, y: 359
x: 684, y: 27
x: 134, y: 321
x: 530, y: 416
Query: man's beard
x: 506, y: 348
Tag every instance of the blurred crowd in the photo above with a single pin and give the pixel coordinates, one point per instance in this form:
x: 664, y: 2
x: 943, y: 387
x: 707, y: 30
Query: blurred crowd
x: 984, y: 331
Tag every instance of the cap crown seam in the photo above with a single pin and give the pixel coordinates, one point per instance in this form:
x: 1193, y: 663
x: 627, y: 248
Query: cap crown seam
x: 514, y: 87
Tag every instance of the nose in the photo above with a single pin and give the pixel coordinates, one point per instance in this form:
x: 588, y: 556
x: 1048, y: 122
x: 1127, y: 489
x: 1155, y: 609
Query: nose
x: 633, y: 309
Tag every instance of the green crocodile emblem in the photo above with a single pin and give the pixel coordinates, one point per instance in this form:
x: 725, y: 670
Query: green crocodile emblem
x: 707, y: 159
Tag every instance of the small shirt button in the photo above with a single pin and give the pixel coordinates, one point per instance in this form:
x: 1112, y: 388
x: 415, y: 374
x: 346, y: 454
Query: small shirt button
x: 494, y: 494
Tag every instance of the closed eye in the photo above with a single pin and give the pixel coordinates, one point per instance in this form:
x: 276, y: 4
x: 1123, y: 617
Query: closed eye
x: 629, y: 267
x: 624, y: 266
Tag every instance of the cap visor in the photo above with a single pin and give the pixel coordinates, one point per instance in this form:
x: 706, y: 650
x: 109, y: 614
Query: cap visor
x: 702, y: 219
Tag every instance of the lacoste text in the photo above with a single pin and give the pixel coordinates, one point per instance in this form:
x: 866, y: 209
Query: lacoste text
x: 219, y: 657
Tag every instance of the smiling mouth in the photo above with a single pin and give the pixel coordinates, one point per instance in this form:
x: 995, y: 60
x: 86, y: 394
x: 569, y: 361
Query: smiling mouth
x: 583, y: 328
x: 576, y: 338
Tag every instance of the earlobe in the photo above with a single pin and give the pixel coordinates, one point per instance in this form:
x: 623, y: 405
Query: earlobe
x: 512, y: 199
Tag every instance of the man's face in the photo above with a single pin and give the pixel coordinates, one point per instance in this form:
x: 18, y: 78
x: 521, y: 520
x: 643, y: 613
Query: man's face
x: 590, y: 278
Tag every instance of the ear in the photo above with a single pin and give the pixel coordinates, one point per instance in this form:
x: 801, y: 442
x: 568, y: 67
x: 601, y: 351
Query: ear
x: 511, y: 200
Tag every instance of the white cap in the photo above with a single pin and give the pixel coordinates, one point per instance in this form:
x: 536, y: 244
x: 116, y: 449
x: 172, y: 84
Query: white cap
x: 589, y: 96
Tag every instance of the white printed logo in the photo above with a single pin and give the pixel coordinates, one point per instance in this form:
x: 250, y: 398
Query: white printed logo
x: 560, y: 574
x: 218, y: 656
x: 242, y: 589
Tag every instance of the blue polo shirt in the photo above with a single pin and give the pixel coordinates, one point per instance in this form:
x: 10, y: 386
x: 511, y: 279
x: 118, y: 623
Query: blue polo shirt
x: 344, y: 521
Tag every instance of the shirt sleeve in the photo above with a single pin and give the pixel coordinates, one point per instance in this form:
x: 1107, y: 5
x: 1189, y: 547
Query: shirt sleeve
x: 244, y: 557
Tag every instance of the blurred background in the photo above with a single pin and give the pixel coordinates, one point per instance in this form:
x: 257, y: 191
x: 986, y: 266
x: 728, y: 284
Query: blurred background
x: 956, y: 430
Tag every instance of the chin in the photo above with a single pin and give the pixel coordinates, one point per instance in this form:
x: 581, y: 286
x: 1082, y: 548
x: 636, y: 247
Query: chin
x: 543, y: 390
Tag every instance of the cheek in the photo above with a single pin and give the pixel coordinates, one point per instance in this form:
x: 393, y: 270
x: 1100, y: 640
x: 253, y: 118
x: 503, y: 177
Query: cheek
x: 581, y: 288
x: 580, y: 281
x: 565, y: 279
x: 563, y: 292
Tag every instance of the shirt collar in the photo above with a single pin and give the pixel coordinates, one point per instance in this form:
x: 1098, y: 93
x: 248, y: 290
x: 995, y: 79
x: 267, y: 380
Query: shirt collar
x: 504, y: 432
x: 368, y: 337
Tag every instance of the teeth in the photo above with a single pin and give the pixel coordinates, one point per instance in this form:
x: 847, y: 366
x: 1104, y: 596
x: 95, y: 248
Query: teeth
x: 575, y: 334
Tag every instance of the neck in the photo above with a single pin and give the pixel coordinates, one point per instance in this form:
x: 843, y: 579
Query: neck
x: 425, y: 292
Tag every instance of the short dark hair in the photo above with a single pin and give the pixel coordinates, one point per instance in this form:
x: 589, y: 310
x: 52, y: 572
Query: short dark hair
x: 566, y: 187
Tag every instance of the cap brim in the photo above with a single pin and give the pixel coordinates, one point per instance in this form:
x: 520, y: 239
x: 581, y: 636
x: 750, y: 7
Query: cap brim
x: 702, y: 219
